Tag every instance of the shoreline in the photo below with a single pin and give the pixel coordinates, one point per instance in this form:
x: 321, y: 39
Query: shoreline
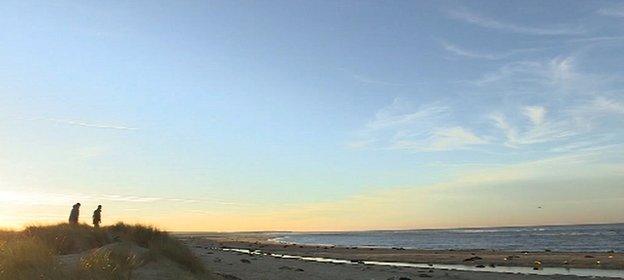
x: 475, y: 258
x: 545, y: 271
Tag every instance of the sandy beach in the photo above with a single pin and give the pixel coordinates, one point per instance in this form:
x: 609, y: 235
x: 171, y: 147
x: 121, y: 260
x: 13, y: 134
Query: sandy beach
x: 213, y: 250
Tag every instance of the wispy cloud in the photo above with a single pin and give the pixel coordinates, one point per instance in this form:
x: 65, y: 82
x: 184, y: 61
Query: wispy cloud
x: 597, y: 39
x: 150, y: 199
x: 539, y: 128
x: 597, y: 108
x: 360, y: 144
x: 125, y: 198
x: 400, y: 126
x: 572, y: 103
x: 557, y: 72
x: 535, y: 113
x: 605, y: 105
x: 463, y: 52
x: 510, y: 132
x: 482, y: 21
x: 593, y: 144
x: 578, y: 102
x: 368, y: 80
x: 614, y: 11
x: 401, y: 113
x: 440, y: 139
x: 52, y: 198
x: 456, y: 50
x: 87, y: 124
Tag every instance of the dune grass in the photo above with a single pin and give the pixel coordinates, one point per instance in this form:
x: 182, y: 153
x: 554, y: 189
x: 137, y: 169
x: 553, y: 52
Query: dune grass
x: 28, y: 258
x: 111, y: 262
x: 111, y: 252
x: 160, y: 244
x: 6, y: 235
x: 69, y: 239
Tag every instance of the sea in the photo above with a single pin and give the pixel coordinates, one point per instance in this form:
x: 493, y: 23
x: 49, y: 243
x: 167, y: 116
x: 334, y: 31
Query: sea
x: 570, y: 238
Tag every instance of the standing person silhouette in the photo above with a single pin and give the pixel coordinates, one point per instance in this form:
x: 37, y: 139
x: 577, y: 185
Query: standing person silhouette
x: 97, y: 216
x: 75, y: 212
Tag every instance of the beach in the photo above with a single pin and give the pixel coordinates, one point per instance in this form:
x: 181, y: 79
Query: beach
x: 254, y: 256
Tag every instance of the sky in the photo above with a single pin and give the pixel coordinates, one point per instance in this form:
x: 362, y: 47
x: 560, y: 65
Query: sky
x: 312, y: 115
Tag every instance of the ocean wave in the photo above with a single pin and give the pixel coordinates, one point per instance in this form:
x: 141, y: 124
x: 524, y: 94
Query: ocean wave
x: 556, y: 238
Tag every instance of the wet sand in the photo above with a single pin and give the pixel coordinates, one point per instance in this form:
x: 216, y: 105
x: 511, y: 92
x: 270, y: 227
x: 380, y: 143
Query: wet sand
x: 246, y: 266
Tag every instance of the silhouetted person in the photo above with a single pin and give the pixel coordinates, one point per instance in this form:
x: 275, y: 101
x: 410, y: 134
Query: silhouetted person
x: 97, y: 216
x: 75, y: 212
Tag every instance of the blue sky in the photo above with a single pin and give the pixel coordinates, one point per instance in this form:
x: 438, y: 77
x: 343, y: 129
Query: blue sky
x: 313, y: 115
